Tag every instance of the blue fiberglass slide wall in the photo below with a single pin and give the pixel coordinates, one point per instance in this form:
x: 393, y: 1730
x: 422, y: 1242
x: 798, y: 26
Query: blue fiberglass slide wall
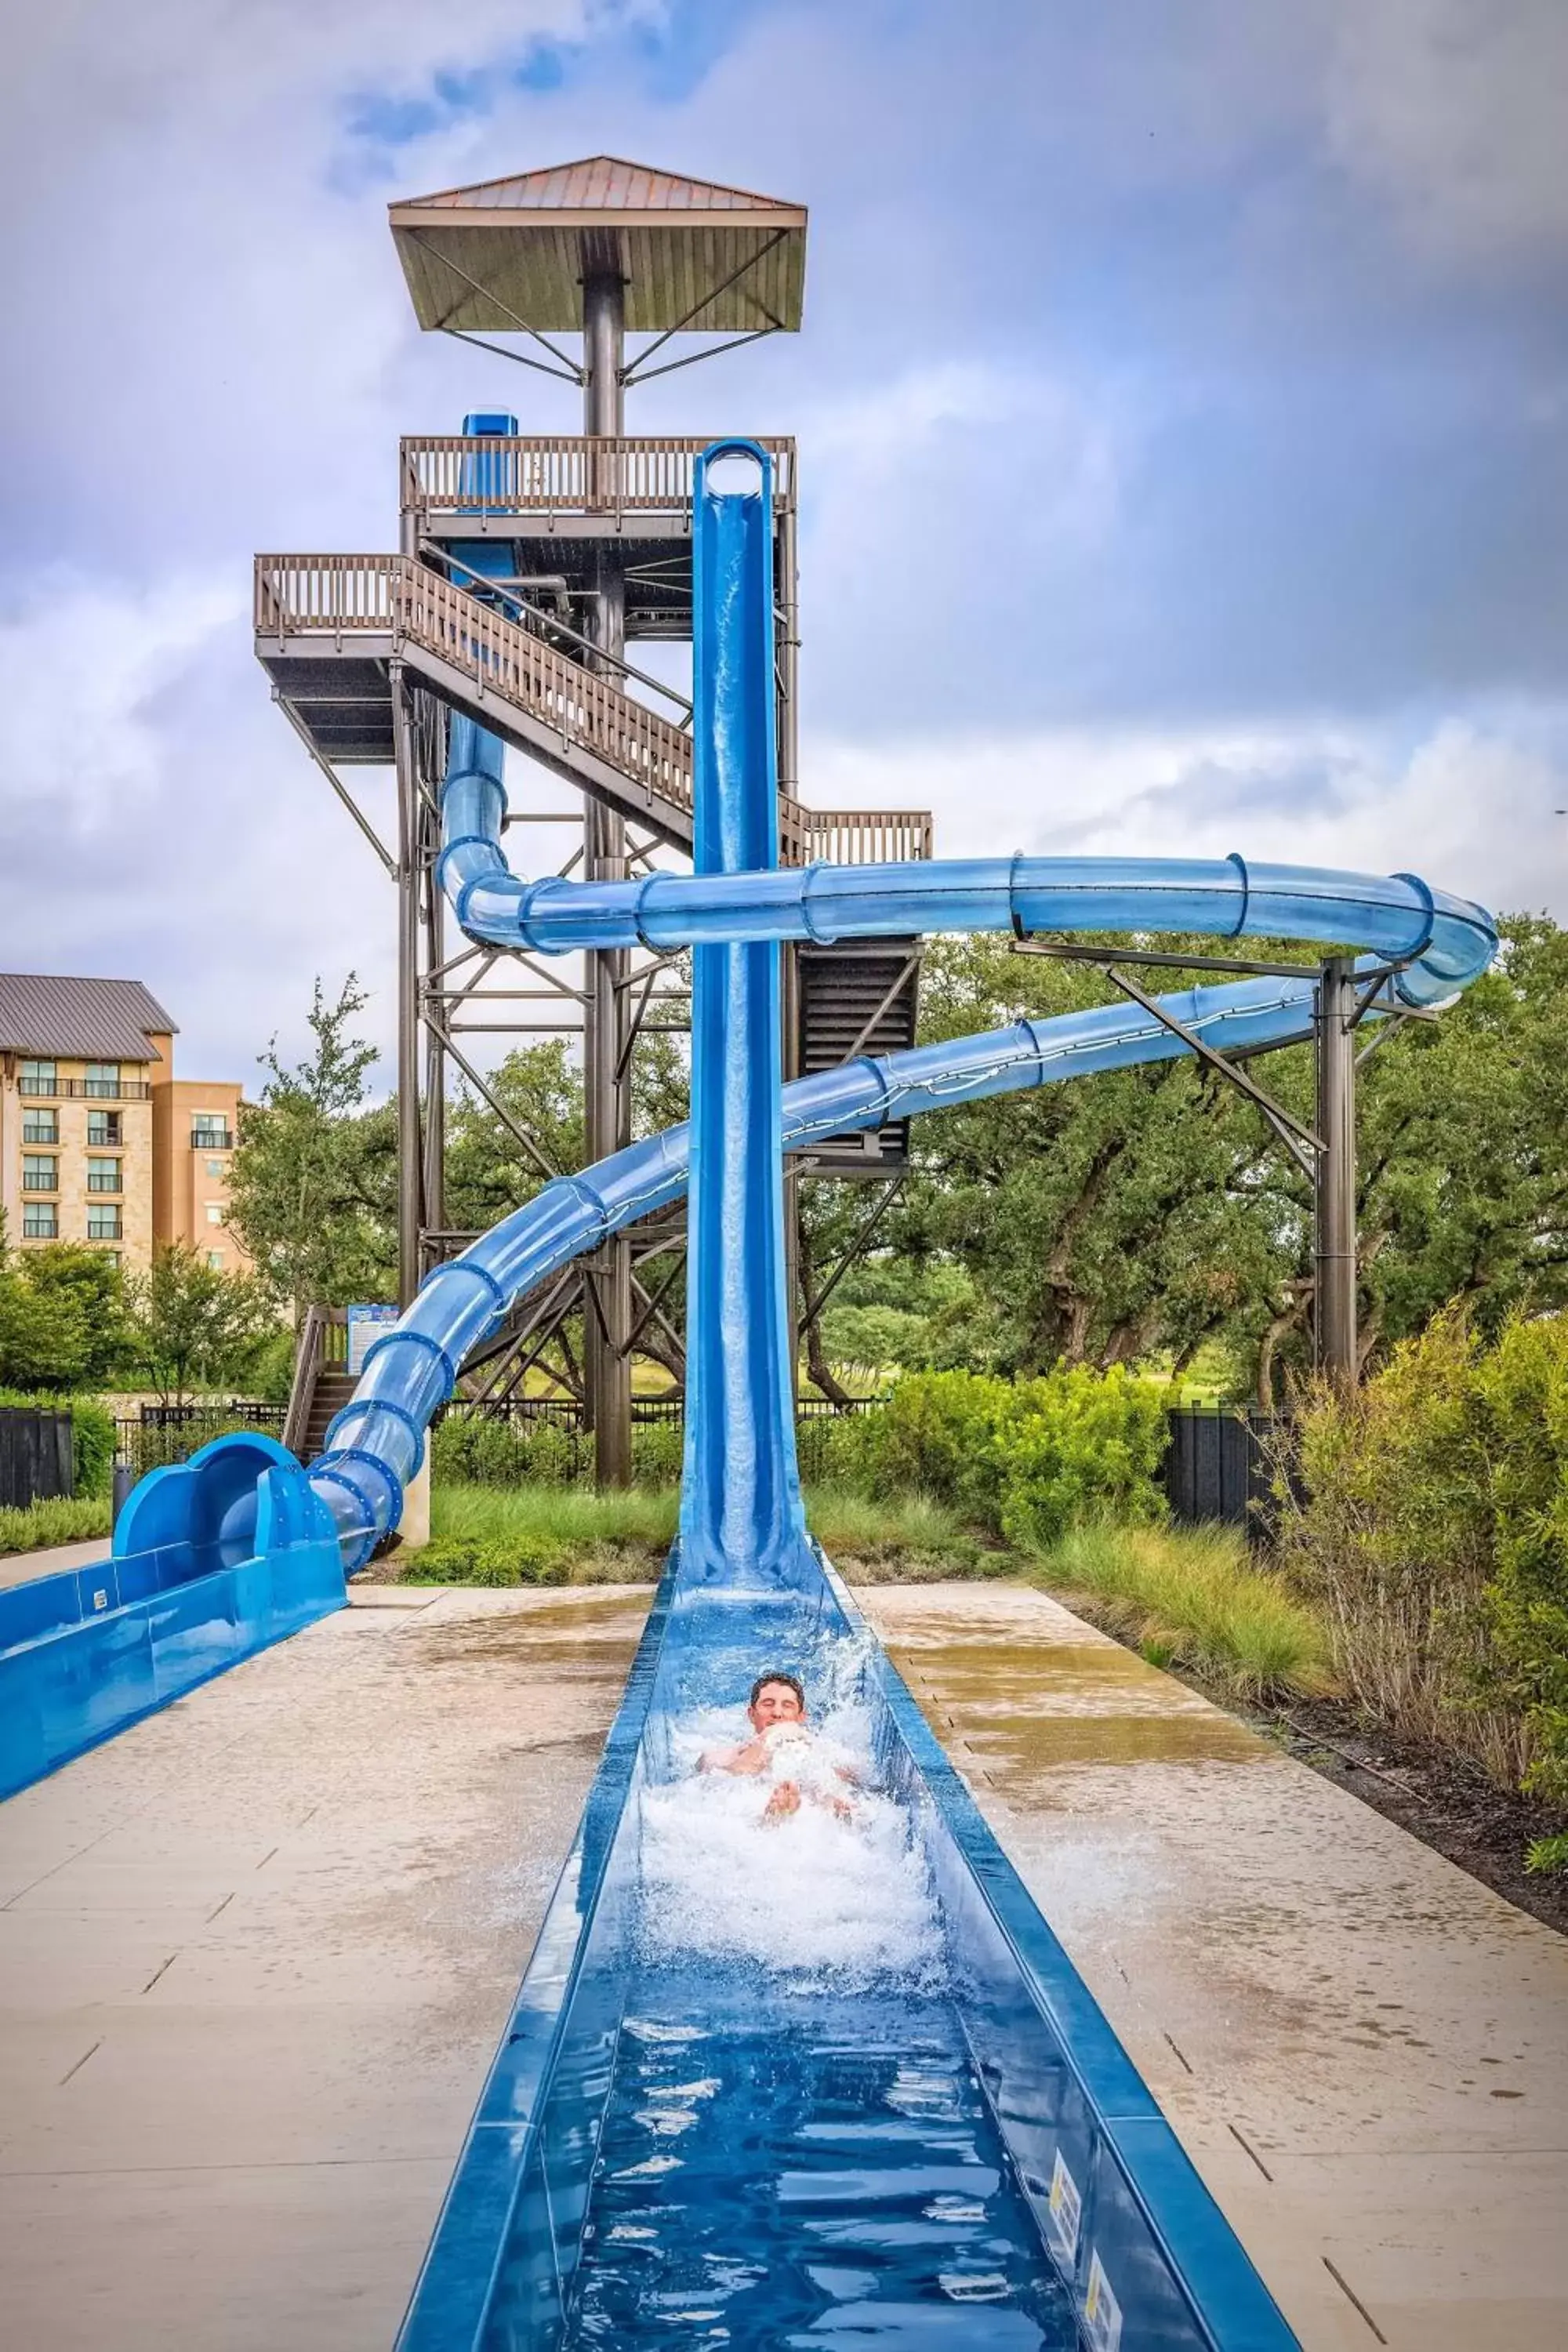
x: 940, y: 2142
x: 684, y: 2139
x: 84, y: 1654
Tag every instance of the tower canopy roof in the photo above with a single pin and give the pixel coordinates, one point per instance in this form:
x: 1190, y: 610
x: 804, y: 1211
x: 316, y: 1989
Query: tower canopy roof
x: 513, y: 253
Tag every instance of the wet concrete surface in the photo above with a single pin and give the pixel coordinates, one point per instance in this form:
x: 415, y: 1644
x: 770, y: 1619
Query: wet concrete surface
x: 27, y: 1567
x: 255, y: 1957
x: 1364, y: 2051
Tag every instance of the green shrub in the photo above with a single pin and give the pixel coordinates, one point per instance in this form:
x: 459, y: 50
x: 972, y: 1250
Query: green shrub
x: 936, y: 1435
x: 1431, y: 1522
x: 656, y: 1452
x: 62, y: 1519
x: 472, y: 1450
x: 840, y: 1449
x: 1522, y: 1389
x: 1076, y: 1446
x: 1026, y: 1461
x: 92, y: 1446
x: 508, y: 1561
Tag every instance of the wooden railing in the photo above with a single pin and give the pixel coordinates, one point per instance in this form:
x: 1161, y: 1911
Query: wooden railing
x: 339, y: 596
x: 582, y: 707
x: 455, y: 472
x: 343, y: 595
x: 314, y: 592
x: 867, y: 836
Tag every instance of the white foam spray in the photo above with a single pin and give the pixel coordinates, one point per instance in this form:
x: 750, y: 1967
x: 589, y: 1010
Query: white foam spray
x: 838, y: 1891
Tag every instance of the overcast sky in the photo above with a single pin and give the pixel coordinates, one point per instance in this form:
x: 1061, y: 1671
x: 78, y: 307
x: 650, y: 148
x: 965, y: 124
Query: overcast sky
x: 1183, y: 403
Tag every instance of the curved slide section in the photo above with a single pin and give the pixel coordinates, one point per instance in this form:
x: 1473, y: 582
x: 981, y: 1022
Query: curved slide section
x: 1440, y: 942
x: 376, y: 1444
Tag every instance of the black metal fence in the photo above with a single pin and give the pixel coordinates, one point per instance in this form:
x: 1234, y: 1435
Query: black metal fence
x: 36, y: 1459
x: 1219, y: 1466
x: 164, y: 1434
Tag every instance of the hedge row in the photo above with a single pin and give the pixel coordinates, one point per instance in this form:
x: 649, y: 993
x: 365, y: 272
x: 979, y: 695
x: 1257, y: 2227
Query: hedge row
x: 1024, y: 1461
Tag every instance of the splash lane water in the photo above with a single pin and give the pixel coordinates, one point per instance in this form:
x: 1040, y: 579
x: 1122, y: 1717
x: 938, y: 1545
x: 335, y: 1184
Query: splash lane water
x: 797, y: 2146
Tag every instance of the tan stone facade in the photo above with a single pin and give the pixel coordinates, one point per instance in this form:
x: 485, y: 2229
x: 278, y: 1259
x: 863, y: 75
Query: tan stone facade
x: 195, y: 1125
x: 116, y: 1154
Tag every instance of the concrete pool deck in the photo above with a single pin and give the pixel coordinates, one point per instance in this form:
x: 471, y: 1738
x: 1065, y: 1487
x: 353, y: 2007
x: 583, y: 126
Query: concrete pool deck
x: 1364, y: 2051
x: 255, y: 1955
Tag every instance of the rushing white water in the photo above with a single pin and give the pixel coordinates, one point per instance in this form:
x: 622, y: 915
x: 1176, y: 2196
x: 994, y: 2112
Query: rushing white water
x: 837, y: 1890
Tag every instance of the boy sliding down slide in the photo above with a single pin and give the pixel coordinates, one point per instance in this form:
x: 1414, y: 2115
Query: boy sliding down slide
x: 782, y: 1742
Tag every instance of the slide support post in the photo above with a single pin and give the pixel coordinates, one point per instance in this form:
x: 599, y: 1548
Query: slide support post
x: 607, y: 1368
x: 1334, y: 1318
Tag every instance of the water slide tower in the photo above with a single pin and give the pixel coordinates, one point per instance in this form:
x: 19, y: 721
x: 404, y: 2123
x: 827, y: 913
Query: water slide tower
x: 529, y: 567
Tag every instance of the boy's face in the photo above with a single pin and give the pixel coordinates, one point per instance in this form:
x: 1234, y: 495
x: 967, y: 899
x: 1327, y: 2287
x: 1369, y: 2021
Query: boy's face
x: 775, y: 1703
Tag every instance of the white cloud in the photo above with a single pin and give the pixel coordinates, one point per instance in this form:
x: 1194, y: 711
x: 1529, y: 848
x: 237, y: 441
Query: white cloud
x: 1453, y: 109
x: 1466, y: 805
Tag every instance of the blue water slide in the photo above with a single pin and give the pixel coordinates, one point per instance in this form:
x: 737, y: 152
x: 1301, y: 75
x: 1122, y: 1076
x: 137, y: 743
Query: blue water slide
x: 944, y: 2144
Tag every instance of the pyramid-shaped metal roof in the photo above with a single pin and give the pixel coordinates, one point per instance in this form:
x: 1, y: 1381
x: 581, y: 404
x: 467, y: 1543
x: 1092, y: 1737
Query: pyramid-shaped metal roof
x: 513, y: 251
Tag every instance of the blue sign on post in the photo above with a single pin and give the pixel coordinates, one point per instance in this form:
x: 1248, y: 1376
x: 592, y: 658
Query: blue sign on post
x: 367, y: 1325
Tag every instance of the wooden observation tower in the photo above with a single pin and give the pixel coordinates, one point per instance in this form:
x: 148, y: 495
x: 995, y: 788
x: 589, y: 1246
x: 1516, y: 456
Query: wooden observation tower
x: 591, y: 536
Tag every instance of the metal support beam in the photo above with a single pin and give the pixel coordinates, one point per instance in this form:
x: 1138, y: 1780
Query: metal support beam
x: 1305, y: 1148
x: 410, y: 1172
x: 434, y: 1214
x: 1334, y: 1315
x: 607, y: 1091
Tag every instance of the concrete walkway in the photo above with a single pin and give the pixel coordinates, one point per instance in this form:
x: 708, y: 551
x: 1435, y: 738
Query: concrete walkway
x: 255, y: 1956
x: 1364, y: 2052
x: 22, y: 1566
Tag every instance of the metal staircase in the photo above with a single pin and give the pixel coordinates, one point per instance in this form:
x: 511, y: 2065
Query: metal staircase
x: 330, y: 627
x: 861, y: 996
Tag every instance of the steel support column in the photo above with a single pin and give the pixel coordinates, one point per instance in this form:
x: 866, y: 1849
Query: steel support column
x: 434, y: 1050
x: 410, y: 1174
x: 1334, y: 1314
x: 606, y: 1323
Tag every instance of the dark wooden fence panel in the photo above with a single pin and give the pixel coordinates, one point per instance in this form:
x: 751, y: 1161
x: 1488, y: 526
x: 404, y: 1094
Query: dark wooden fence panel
x: 1219, y: 1466
x: 35, y: 1456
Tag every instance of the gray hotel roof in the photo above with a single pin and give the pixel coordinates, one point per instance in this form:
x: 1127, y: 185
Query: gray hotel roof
x: 45, y: 1014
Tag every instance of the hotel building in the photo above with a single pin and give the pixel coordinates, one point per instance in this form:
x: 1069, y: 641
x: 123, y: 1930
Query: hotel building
x: 100, y: 1142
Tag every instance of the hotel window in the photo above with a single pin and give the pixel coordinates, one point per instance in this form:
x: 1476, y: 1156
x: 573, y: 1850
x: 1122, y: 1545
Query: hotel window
x: 209, y: 1132
x: 216, y: 1168
x: 103, y: 1225
x: 214, y: 1213
x: 103, y: 1126
x: 40, y: 1127
x: 215, y: 1259
x: 104, y: 1176
x: 40, y: 1220
x: 103, y: 1078
x: 40, y: 1172
x: 39, y: 1079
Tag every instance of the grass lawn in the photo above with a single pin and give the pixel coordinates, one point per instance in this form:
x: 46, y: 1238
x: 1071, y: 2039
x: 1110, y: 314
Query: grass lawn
x: 570, y: 1535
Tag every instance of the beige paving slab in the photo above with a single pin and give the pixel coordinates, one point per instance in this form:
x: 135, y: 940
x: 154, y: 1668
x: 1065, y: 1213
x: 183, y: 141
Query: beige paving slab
x: 1364, y: 2051
x: 23, y: 1567
x: 254, y: 1957
x: 232, y: 2259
